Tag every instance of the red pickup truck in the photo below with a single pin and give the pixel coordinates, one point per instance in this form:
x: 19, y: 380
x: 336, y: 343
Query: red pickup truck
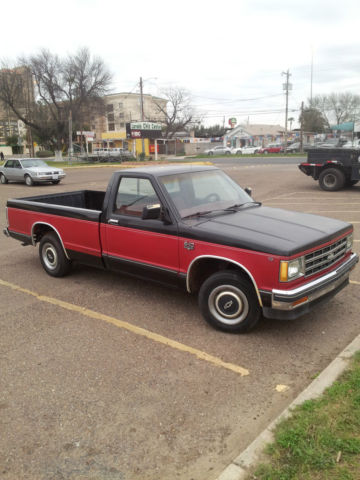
x: 193, y: 226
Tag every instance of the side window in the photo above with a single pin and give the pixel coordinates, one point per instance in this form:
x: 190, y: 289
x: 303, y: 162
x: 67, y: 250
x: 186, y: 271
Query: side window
x: 17, y: 164
x: 9, y: 164
x: 133, y: 195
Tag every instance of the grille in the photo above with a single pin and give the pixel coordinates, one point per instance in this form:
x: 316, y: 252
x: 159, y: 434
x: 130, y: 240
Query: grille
x: 325, y: 257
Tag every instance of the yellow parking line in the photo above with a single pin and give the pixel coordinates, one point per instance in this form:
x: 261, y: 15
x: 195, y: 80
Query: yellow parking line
x: 333, y: 211
x: 311, y: 201
x: 354, y: 282
x: 132, y: 328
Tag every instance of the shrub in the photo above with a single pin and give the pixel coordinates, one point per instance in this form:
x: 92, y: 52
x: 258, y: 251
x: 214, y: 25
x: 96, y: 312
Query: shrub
x: 44, y: 153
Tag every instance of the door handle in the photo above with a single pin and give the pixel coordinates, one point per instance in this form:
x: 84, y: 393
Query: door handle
x: 113, y: 221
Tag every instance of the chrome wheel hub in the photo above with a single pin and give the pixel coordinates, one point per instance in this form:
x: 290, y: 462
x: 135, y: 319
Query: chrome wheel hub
x: 228, y: 304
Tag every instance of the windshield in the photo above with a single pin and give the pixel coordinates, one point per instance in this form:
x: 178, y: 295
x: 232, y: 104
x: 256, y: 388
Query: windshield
x: 33, y: 162
x: 197, y: 192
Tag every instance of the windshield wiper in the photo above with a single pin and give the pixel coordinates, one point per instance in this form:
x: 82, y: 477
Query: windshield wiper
x: 238, y: 205
x: 199, y: 214
x: 233, y: 209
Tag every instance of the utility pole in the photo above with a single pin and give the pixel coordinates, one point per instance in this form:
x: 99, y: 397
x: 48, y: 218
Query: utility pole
x: 311, y: 77
x: 286, y: 86
x: 142, y: 112
x: 301, y: 127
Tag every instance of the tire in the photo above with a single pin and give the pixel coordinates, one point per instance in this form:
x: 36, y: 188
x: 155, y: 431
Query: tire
x: 211, y: 153
x: 227, y: 153
x: 228, y: 302
x: 55, y: 182
x: 331, y: 179
x: 3, y: 179
x: 29, y: 181
x: 52, y: 256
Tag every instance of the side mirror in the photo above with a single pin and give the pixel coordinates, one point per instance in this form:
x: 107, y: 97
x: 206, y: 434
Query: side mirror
x: 248, y: 190
x: 151, y: 212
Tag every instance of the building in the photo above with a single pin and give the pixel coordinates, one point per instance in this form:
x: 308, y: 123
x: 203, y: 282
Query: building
x: 123, y: 108
x: 22, y: 86
x: 257, y: 135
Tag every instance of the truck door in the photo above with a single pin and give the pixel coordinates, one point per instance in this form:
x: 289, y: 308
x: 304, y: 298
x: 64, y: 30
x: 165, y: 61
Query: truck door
x: 147, y: 248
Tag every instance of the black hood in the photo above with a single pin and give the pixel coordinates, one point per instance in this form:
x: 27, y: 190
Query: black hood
x: 269, y: 230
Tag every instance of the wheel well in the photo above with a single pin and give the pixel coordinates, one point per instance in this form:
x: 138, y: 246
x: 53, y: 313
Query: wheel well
x: 205, y: 267
x: 41, y: 229
x: 335, y: 166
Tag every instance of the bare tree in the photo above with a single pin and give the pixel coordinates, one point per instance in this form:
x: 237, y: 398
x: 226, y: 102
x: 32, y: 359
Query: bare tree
x: 336, y: 108
x: 52, y: 88
x: 178, y: 113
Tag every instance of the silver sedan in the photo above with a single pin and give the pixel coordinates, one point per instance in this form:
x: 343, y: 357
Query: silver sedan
x: 30, y: 171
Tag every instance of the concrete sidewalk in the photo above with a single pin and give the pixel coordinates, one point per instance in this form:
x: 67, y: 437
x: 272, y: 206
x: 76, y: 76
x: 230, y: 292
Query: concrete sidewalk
x: 242, y: 465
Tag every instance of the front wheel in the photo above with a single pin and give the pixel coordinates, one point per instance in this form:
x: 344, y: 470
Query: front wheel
x: 228, y: 302
x: 52, y: 256
x: 331, y: 179
x: 29, y: 181
x: 55, y: 182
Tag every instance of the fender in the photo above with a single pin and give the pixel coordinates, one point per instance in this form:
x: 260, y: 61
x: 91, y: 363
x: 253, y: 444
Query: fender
x: 54, y: 229
x: 188, y: 274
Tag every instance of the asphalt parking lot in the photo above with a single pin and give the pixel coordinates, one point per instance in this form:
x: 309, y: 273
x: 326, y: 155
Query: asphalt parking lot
x: 107, y: 377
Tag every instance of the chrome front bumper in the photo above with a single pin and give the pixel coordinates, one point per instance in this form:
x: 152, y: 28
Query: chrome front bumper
x: 294, y: 303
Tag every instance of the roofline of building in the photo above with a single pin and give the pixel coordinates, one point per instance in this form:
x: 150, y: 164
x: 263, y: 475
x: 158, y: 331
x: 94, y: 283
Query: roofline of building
x: 137, y: 94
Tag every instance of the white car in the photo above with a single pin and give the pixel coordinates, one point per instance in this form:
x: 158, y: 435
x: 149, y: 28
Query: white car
x: 250, y: 150
x: 30, y: 171
x: 352, y: 144
x: 220, y: 150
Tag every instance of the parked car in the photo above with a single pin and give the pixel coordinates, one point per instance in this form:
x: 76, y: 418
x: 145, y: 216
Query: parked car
x: 247, y: 150
x: 272, y: 148
x: 219, y: 150
x: 295, y: 147
x: 30, y: 171
x: 111, y: 152
x: 331, y: 143
x: 352, y: 144
x: 193, y: 227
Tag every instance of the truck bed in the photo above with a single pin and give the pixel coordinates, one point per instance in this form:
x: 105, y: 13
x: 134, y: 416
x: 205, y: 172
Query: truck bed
x: 87, y: 199
x: 346, y: 156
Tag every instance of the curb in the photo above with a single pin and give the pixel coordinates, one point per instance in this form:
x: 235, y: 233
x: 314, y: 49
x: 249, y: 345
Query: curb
x: 123, y: 166
x: 239, y: 468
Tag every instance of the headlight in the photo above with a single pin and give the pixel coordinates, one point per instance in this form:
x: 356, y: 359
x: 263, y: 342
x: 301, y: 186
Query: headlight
x: 291, y: 269
x: 349, y: 242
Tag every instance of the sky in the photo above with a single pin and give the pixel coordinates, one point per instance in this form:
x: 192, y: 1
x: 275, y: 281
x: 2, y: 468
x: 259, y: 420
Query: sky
x: 231, y: 56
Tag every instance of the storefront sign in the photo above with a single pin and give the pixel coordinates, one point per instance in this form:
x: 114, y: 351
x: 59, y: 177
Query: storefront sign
x: 143, y: 130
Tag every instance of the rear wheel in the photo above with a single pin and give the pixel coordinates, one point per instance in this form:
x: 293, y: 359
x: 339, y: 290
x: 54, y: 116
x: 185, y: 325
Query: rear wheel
x: 52, y: 256
x: 228, y: 302
x: 331, y: 179
x: 29, y: 181
x: 3, y: 179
